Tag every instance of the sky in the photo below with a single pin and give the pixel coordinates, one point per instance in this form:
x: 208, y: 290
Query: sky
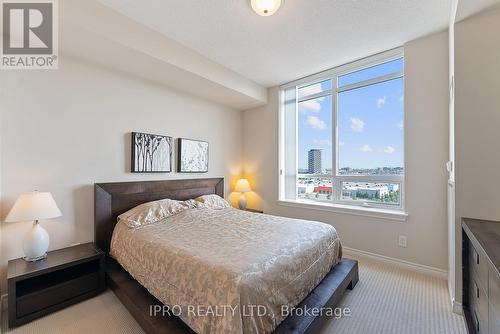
x: 370, y: 121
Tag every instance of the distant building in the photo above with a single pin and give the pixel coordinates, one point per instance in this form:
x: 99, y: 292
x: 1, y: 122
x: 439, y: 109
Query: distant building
x: 345, y: 171
x: 392, y: 187
x: 366, y: 190
x: 303, y: 189
x: 314, y: 161
x: 324, y: 190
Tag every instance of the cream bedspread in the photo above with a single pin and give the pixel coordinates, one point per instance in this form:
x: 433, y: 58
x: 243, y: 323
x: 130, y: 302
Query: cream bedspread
x: 226, y: 268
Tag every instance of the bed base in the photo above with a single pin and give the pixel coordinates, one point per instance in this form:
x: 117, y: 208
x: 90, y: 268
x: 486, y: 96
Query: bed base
x: 139, y: 301
x: 112, y: 199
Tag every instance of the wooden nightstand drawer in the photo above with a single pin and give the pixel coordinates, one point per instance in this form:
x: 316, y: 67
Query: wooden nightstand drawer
x: 479, y: 305
x: 52, y: 294
x: 481, y: 265
x: 478, y: 264
x: 494, y: 294
x: 65, y: 277
x: 493, y: 322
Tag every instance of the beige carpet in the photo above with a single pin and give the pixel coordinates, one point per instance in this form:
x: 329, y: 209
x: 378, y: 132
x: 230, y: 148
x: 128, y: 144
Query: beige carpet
x: 386, y: 300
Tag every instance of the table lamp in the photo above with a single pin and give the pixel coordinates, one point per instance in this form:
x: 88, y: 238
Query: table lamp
x: 242, y: 186
x: 34, y: 206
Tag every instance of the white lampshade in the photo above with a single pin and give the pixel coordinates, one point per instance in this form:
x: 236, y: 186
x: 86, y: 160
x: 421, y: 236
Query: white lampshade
x: 33, y: 206
x: 242, y: 186
x: 265, y: 7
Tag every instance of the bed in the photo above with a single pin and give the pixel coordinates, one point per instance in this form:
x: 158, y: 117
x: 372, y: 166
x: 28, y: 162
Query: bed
x: 261, y: 260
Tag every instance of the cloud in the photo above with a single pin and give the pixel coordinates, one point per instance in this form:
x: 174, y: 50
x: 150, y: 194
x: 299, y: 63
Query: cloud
x: 309, y: 90
x: 357, y: 125
x: 389, y: 150
x: 366, y: 148
x: 341, y: 143
x: 312, y: 105
x: 325, y: 142
x: 400, y: 125
x: 316, y: 123
x: 380, y: 102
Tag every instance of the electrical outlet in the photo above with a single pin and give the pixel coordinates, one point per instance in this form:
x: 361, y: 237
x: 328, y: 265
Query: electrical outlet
x: 402, y: 241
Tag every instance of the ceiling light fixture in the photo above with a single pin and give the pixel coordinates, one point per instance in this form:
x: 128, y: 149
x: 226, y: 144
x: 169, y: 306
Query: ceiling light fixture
x: 266, y: 7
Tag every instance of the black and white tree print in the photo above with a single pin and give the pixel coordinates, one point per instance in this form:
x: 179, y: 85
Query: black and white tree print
x: 151, y: 153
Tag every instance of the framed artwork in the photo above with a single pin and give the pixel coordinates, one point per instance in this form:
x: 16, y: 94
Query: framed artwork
x: 151, y: 153
x: 192, y: 156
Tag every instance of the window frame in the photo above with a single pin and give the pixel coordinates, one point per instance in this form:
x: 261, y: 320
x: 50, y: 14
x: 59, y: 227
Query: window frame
x: 337, y: 179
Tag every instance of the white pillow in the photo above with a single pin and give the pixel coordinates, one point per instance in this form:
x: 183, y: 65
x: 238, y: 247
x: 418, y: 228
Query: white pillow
x: 191, y: 203
x: 151, y: 212
x: 214, y: 202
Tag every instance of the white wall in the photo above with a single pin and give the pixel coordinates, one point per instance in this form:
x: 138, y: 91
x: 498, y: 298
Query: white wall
x: 451, y: 149
x: 477, y: 110
x: 477, y: 122
x: 426, y: 109
x: 63, y: 130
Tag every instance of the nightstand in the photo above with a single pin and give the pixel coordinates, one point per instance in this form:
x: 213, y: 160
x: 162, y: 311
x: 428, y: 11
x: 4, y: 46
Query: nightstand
x: 254, y: 211
x: 67, y: 276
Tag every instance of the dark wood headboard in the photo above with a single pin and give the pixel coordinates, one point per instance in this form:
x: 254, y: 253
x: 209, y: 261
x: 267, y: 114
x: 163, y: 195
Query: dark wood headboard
x: 112, y: 199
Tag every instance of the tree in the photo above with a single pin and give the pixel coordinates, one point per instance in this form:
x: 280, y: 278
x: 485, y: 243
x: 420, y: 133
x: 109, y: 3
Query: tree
x: 155, y: 142
x: 139, y: 150
x: 145, y: 148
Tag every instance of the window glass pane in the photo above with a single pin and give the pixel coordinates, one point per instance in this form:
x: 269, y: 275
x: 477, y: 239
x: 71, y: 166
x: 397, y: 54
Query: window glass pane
x: 314, y: 188
x: 368, y: 142
x: 370, y: 129
x: 289, y: 170
x: 372, y: 193
x: 315, y: 88
x: 314, y: 136
x: 372, y: 72
x: 314, y: 149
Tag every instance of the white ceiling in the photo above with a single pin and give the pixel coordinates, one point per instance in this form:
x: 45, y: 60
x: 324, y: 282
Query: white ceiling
x: 304, y: 37
x: 467, y: 8
x: 118, y: 42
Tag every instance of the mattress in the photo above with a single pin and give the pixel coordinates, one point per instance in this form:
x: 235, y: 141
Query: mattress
x: 228, y: 271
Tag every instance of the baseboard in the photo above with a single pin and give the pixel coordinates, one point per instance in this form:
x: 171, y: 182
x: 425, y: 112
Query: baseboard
x: 428, y: 270
x: 3, y: 306
x: 457, y: 307
x: 3, y: 302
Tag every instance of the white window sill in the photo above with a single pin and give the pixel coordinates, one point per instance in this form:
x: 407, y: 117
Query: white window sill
x: 395, y: 215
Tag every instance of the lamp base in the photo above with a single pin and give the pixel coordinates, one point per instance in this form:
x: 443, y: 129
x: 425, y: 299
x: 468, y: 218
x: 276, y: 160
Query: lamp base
x: 34, y: 259
x: 243, y: 202
x: 35, y: 243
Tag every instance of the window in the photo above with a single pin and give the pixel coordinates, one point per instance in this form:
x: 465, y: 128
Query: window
x: 342, y: 135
